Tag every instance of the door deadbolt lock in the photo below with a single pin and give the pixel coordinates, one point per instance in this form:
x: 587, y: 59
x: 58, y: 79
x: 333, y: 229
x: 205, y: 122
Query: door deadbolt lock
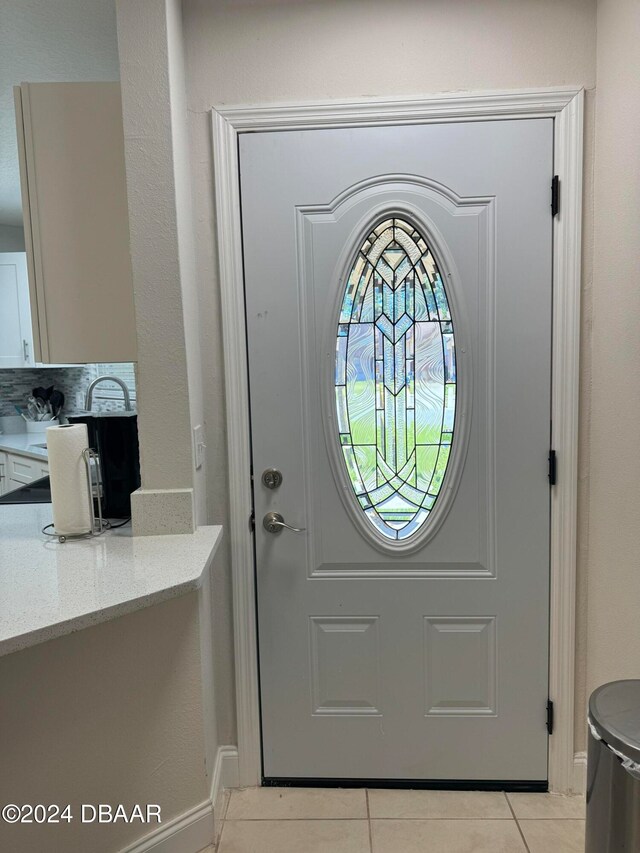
x: 271, y: 478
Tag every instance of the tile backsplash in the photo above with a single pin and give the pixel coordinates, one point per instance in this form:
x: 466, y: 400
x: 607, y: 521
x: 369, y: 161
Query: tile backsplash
x: 17, y: 384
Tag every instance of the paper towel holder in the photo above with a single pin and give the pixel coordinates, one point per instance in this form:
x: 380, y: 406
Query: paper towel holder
x: 98, y: 524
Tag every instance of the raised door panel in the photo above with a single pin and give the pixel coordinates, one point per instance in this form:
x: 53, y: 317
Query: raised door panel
x: 22, y: 469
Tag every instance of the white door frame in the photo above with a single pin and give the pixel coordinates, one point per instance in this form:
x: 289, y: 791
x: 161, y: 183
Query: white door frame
x: 565, y: 106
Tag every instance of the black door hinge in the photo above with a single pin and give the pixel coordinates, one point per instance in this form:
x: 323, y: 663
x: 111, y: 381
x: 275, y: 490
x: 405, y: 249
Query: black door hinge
x: 555, y: 195
x: 553, y: 468
x: 252, y: 522
x: 550, y: 717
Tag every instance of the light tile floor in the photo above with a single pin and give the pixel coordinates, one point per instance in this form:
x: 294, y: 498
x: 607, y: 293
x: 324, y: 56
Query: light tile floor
x: 331, y: 820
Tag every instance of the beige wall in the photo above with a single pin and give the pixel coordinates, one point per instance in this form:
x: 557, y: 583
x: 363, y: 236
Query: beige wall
x: 110, y: 714
x: 170, y: 389
x: 614, y: 507
x: 185, y: 234
x: 261, y: 51
x: 163, y: 395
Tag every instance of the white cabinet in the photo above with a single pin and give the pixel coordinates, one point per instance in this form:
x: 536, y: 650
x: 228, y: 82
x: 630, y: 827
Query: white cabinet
x: 17, y: 470
x: 4, y: 485
x: 21, y: 469
x: 74, y: 199
x: 16, y: 342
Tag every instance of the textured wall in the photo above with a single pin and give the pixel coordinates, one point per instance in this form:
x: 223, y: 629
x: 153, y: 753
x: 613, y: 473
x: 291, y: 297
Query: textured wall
x: 158, y: 185
x: 253, y: 51
x: 110, y: 714
x: 186, y: 236
x: 614, y: 531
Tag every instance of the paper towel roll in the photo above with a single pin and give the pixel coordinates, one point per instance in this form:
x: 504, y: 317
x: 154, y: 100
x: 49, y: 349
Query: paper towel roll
x: 68, y: 477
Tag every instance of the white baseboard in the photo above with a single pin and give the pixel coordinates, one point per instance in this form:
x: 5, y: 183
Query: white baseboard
x: 189, y: 832
x: 198, y: 827
x: 225, y: 775
x: 579, y: 783
x: 230, y: 767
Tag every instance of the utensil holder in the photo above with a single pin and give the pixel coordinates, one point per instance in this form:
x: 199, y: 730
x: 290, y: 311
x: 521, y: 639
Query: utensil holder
x: 41, y: 426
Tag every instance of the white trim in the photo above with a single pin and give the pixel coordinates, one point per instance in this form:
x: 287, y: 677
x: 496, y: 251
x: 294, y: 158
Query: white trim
x: 567, y: 249
x: 225, y: 776
x: 194, y: 830
x: 377, y: 111
x: 563, y: 105
x: 190, y: 832
x: 579, y: 783
x: 225, y: 147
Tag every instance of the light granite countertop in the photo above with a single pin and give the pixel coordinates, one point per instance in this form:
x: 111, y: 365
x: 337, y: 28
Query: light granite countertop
x: 48, y: 589
x: 25, y: 444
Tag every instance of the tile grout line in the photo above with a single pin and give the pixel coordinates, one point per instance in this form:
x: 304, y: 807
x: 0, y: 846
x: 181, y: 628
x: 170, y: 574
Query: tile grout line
x: 227, y: 799
x: 218, y: 844
x: 524, y: 840
x: 225, y: 808
x: 366, y: 795
x: 399, y: 819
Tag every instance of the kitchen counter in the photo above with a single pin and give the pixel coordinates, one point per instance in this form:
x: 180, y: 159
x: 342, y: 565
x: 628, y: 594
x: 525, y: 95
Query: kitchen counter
x: 48, y: 588
x: 25, y: 444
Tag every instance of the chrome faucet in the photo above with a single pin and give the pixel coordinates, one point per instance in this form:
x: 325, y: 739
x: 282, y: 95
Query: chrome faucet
x: 125, y: 391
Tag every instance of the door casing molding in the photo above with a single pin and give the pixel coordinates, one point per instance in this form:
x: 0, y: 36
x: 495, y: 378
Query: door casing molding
x: 565, y: 106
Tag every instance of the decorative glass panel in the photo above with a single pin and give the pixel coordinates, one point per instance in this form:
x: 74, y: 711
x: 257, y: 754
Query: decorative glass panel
x: 395, y: 379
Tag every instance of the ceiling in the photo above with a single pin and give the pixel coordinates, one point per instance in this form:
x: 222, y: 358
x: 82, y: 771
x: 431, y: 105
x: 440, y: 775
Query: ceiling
x: 47, y: 41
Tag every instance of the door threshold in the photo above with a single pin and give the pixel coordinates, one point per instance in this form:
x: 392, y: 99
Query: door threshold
x: 534, y: 786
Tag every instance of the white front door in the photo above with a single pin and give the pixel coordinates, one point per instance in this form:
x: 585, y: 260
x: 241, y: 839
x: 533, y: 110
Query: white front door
x: 398, y: 295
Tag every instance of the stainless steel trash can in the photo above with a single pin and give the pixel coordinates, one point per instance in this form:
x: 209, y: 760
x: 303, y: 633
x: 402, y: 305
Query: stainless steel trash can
x: 613, y: 769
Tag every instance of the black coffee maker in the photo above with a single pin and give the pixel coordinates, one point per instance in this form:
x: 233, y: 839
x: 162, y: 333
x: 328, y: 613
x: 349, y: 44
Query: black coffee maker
x: 114, y: 435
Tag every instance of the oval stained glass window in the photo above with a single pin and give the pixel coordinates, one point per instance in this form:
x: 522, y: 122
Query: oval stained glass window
x: 395, y: 379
